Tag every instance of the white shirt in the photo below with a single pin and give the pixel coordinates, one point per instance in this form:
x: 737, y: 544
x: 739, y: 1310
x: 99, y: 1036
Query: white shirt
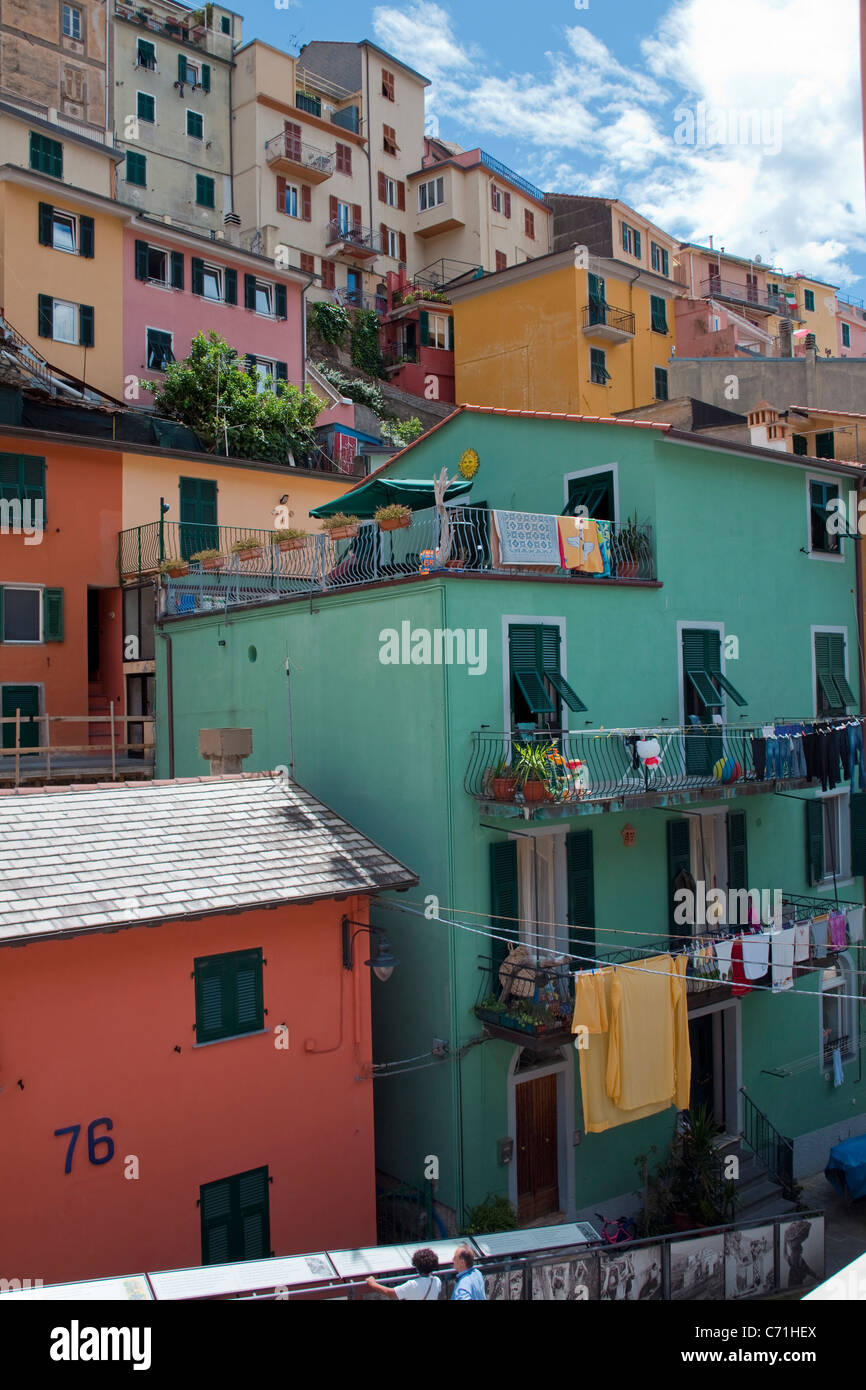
x: 424, y: 1287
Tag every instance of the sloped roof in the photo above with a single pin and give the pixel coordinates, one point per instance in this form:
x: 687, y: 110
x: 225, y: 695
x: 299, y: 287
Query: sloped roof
x: 82, y: 859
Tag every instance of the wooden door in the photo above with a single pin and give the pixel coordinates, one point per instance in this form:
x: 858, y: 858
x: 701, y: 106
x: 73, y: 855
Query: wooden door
x: 537, y: 1165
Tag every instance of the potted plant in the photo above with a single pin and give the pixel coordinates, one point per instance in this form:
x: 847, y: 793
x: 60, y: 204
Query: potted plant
x: 173, y: 569
x: 209, y: 559
x: 503, y: 781
x: 393, y: 517
x: 632, y: 547
x: 247, y: 548
x: 533, y: 770
x: 340, y: 527
x: 291, y: 538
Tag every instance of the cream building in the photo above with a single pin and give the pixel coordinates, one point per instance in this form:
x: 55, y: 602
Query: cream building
x: 54, y: 59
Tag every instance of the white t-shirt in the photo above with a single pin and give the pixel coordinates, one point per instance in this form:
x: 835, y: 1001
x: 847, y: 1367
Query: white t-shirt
x: 425, y: 1287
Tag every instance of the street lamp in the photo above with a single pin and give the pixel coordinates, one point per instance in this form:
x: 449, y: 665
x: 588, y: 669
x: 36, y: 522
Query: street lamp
x: 383, y: 961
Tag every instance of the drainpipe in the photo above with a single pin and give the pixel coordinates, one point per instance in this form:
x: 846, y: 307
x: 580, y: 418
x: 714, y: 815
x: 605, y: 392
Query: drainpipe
x: 169, y: 701
x: 231, y: 138
x: 858, y: 603
x: 369, y: 139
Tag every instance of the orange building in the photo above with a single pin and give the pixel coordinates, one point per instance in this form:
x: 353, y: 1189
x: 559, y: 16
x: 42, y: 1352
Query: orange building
x: 200, y: 1091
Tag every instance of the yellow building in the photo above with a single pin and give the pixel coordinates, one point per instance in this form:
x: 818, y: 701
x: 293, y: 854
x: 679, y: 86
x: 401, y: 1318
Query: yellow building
x: 816, y: 302
x: 61, y: 249
x: 571, y: 331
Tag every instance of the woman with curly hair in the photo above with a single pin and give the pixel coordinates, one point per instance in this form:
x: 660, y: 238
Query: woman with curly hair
x: 425, y: 1288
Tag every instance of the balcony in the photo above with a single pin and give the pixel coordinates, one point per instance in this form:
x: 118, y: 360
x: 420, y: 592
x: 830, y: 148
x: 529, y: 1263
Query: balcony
x: 183, y: 29
x: 750, y: 295
x: 360, y: 299
x: 556, y: 773
x: 286, y: 154
x: 350, y: 242
x: 395, y: 358
x: 527, y: 998
x: 609, y: 325
x: 369, y: 556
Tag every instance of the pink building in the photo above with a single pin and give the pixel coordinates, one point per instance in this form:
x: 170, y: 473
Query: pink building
x: 177, y: 282
x: 851, y: 323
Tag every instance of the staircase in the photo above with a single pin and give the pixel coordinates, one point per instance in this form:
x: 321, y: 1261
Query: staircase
x: 98, y: 703
x: 759, y: 1194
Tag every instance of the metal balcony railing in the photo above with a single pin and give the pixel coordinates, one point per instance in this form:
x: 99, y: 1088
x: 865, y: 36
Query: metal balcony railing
x: 556, y: 767
x: 771, y: 1147
x: 749, y: 294
x: 607, y: 315
x: 533, y: 997
x: 399, y: 357
x: 439, y: 274
x: 369, y: 556
x: 362, y: 237
x: 286, y: 146
x: 360, y: 299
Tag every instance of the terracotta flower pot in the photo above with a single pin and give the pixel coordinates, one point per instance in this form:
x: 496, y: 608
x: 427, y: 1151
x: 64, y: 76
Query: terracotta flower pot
x: 504, y: 788
x: 176, y: 571
x: 215, y: 562
x: 296, y: 543
x: 534, y: 791
x: 627, y: 569
x: 395, y: 524
x: 254, y: 553
x: 343, y: 533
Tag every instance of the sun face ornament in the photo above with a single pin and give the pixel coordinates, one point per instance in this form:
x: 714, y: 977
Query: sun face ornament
x: 468, y: 464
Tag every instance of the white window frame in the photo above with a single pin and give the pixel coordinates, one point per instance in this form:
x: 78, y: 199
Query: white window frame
x: 841, y: 803
x: 200, y: 115
x: 152, y: 328
x: 192, y: 66
x: 715, y: 323
x: 295, y: 199
x: 58, y: 215
x: 553, y: 938
x: 76, y: 327
x: 390, y: 192
x: 434, y: 323
x: 533, y: 620
x: 715, y: 627
x: 270, y: 366
x: 139, y: 64
x: 266, y: 288
x: 144, y: 118
x: 824, y: 554
x: 165, y: 282
x: 216, y: 270
x: 497, y: 199
x: 845, y: 984
x: 393, y: 239
x: 25, y: 641
x: 813, y: 631
x: 344, y: 223
x: 427, y: 200
x: 591, y: 473
x: 75, y: 15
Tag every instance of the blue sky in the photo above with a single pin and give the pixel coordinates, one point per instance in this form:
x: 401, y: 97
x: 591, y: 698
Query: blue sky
x: 739, y: 119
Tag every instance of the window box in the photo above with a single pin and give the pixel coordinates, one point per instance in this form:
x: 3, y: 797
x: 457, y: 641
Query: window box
x: 247, y: 548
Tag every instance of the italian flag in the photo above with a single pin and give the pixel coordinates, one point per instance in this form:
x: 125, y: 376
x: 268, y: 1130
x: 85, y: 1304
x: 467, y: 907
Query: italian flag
x: 791, y: 298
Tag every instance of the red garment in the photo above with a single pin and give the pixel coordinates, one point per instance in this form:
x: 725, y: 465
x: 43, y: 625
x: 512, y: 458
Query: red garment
x: 737, y: 972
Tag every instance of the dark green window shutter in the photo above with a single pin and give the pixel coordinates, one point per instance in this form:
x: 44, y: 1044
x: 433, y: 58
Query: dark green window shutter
x: 249, y: 291
x: 800, y: 443
x: 658, y: 314
x: 52, y: 615
x: 205, y: 77
x: 815, y: 841
x: 235, y: 1219
x: 136, y: 168
x: 809, y: 300
x: 637, y: 244
x: 181, y: 67
x: 504, y: 902
x: 85, y: 238
x: 699, y: 658
x: 596, y: 289
x: 230, y: 285
x: 216, y: 1223
x: 85, y: 325
x: 141, y: 260
x: 595, y: 492
x: 549, y: 637
x: 282, y: 371
x: 46, y: 224
x: 660, y: 383
x: 46, y: 156
x: 858, y: 833
x: 846, y: 335
x: 738, y: 872
x: 581, y: 897
x: 825, y: 445
x: 204, y: 191
x: 281, y: 302
x: 679, y: 861
x: 450, y: 332
x: 46, y: 316
x: 177, y: 270
x: 526, y: 668
x: 228, y: 995
x: 251, y: 364
x: 146, y: 53
x: 424, y: 328
x: 146, y: 107
x: 197, y: 275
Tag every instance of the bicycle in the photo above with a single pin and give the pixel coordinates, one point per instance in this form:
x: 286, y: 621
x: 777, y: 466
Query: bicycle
x: 618, y: 1232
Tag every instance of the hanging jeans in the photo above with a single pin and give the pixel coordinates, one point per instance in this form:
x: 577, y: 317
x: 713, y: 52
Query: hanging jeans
x: 759, y: 757
x: 855, y: 753
x: 774, y: 758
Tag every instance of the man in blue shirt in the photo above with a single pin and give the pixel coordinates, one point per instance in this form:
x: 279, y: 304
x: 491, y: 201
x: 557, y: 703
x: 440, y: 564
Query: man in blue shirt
x: 470, y: 1281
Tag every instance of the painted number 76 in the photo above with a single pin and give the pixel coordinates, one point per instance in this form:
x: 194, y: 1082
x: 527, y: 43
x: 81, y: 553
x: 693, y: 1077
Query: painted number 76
x: 92, y: 1141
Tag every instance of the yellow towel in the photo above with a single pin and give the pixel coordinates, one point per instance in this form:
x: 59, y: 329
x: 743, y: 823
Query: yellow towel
x: 584, y: 532
x: 590, y: 1003
x: 599, y: 1111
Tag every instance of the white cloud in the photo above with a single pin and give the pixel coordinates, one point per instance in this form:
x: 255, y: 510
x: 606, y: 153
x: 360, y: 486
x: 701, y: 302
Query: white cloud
x: 586, y: 123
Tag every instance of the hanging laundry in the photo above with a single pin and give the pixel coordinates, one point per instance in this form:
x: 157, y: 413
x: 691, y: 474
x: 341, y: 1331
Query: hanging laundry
x: 801, y: 941
x: 782, y: 943
x: 838, y: 937
x: 855, y: 923
x: 838, y: 1074
x: 723, y: 957
x: 756, y: 955
x: 590, y: 1001
x: 819, y: 935
x: 738, y: 974
x: 600, y: 1113
x: 527, y: 538
x: 648, y: 1053
x: 579, y: 547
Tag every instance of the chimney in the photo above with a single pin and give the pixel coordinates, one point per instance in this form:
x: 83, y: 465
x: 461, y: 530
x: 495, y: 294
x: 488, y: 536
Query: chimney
x: 786, y: 348
x: 225, y: 749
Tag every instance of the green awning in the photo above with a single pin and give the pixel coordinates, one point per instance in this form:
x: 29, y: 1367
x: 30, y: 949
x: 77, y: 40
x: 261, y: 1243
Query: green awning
x: 363, y: 501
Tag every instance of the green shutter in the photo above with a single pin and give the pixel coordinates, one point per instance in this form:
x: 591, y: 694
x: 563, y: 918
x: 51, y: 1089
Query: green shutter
x: 504, y: 902
x: 25, y: 699
x: 695, y: 666
x: 216, y: 1223
x: 136, y: 168
x: 46, y: 316
x: 281, y: 302
x: 450, y: 332
x: 581, y: 897
x: 525, y: 660
x: 141, y: 260
x: 86, y: 237
x: 181, y: 67
x: 52, y: 615
x: 809, y: 300
x: 197, y: 275
x: 228, y: 995
x: 282, y: 371
x: 85, y: 325
x: 549, y: 638
x: 637, y: 244
x: 249, y: 291
x: 230, y: 285
x: 145, y: 107
x: 46, y: 156
x: 177, y: 270
x: 658, y: 314
x: 46, y: 224
x: 800, y: 443
x: 738, y: 872
x: 424, y: 328
x: 146, y: 53
x: 204, y: 191
x: 858, y: 833
x: 825, y: 448
x: 251, y: 364
x: 205, y: 77
x: 596, y: 289
x: 679, y: 860
x: 235, y: 1219
x: 815, y: 841
x: 830, y: 671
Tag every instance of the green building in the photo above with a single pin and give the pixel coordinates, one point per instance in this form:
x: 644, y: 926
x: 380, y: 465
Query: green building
x: 406, y: 700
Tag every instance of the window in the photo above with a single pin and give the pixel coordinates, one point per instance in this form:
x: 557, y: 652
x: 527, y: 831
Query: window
x: 390, y: 191
x: 809, y: 301
x: 597, y: 302
x: 822, y: 540
x: 291, y: 201
x: 658, y: 314
x: 495, y: 198
x: 71, y: 22
x: 195, y: 125
x: 846, y: 335
x: 22, y: 479
x: 204, y: 191
x: 65, y: 321
x: 225, y: 24
x: 431, y: 194
x: 630, y: 240
x: 264, y: 297
x: 833, y: 693
x: 20, y: 614
x: 659, y: 258
x: 704, y: 686
x: 838, y: 1014
x: 159, y: 349
x: 263, y: 304
x: 46, y: 156
x: 437, y: 330
x: 343, y: 217
x: 157, y: 265
x: 501, y: 260
x: 387, y: 84
x: 660, y: 383
x: 264, y: 374
x: 597, y: 370
x: 65, y: 232
x: 329, y: 275
x: 529, y: 223
x: 145, y: 106
x: 715, y: 323
x: 389, y: 140
x: 235, y: 1222
x: 213, y: 283
x: 825, y: 445
x: 344, y: 159
x: 593, y: 491
x: 191, y: 74
x: 228, y: 995
x: 145, y: 55
x: 828, y: 837
x: 308, y: 263
x: 537, y: 685
x: 392, y: 243
x: 136, y: 168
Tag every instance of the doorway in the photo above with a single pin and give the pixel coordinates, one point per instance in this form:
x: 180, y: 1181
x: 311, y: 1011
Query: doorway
x: 714, y: 1039
x: 23, y: 698
x: 541, y: 1121
x: 93, y: 654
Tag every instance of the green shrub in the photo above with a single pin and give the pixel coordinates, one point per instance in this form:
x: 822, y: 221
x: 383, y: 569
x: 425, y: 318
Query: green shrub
x: 401, y: 431
x: 366, y: 353
x: 330, y: 321
x: 364, y: 392
x: 493, y: 1214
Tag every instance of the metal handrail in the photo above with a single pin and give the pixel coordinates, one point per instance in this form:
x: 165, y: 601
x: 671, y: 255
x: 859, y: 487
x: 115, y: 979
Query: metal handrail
x: 772, y: 1148
x: 608, y: 316
x: 749, y: 294
x: 363, y: 237
x: 286, y: 146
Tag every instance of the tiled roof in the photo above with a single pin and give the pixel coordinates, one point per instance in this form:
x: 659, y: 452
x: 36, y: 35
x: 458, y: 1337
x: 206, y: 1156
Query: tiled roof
x: 76, y: 859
